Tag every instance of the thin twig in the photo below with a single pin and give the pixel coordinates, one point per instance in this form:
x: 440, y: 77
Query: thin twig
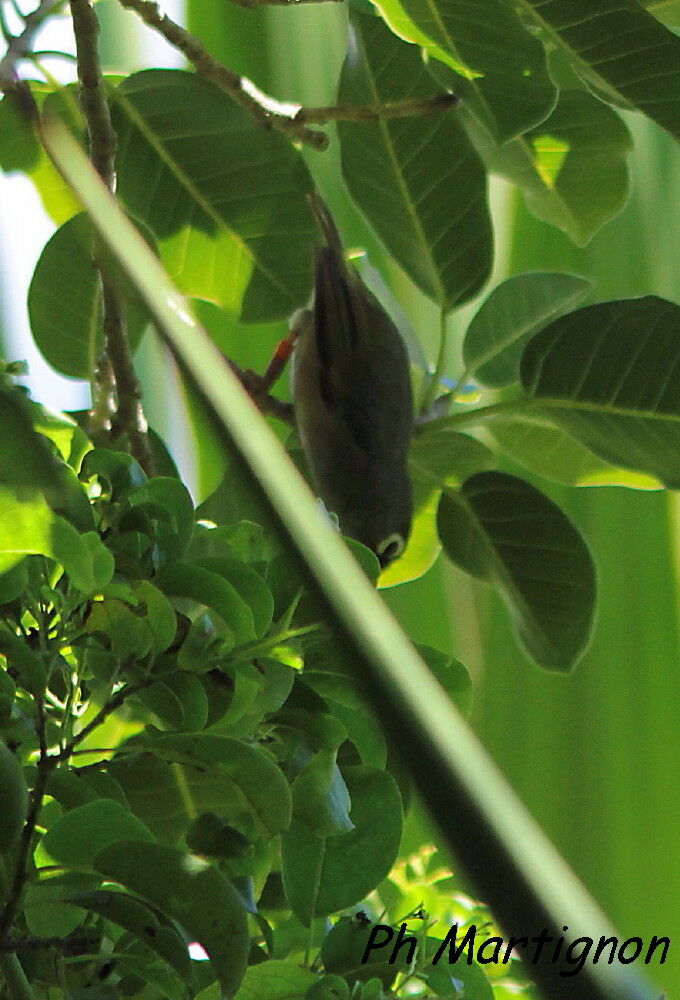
x: 129, y: 419
x: 213, y: 70
x: 102, y: 715
x: 394, y: 109
x: 19, y: 45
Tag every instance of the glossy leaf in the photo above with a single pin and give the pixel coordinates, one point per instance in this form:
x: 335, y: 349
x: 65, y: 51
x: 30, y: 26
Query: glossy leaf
x: 228, y: 199
x: 346, y: 866
x: 608, y: 375
x: 65, y: 302
x: 321, y: 801
x: 13, y: 798
x: 191, y: 891
x: 275, y: 980
x: 19, y: 148
x: 571, y: 168
x: 418, y: 180
x: 501, y: 68
x: 249, y: 585
x: 620, y: 50
x: 212, y: 590
x: 510, y: 316
x: 506, y: 532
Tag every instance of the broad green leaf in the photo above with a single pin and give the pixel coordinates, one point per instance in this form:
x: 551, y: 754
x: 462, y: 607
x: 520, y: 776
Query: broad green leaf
x: 321, y: 801
x: 510, y: 316
x: 192, y: 892
x: 160, y: 615
x: 19, y: 148
x: 48, y: 914
x: 238, y: 782
x: 506, y: 532
x: 619, y: 50
x: 571, y: 168
x: 343, y: 949
x: 81, y: 833
x: 418, y: 180
x: 452, y: 676
x: 325, y: 874
x: 13, y: 582
x: 23, y: 660
x: 70, y: 441
x: 275, y: 980
x: 228, y: 199
x: 178, y: 700
x: 551, y: 452
x: 608, y: 374
x: 249, y: 585
x: 28, y: 463
x: 140, y: 920
x: 87, y: 562
x: 500, y: 68
x: 65, y: 302
x: 128, y: 633
x: 445, y: 457
x: 202, y: 586
x: 168, y: 502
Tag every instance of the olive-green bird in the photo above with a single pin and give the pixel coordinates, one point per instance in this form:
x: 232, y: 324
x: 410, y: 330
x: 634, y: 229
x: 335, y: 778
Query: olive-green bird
x: 353, y: 401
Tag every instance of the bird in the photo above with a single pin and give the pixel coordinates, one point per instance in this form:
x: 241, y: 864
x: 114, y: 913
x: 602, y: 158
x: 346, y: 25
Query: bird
x: 352, y: 399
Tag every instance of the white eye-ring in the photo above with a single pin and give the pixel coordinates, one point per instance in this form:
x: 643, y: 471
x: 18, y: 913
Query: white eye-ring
x: 390, y: 549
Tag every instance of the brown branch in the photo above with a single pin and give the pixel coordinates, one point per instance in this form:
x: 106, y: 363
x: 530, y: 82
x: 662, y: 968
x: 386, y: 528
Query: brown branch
x: 129, y: 418
x: 257, y: 388
x: 226, y: 79
x: 395, y: 109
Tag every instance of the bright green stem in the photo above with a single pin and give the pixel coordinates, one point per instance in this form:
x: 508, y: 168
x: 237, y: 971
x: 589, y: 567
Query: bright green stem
x: 436, y: 377
x: 471, y: 418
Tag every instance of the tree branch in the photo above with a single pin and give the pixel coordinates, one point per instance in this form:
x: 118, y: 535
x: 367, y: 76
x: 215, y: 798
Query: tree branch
x: 129, y: 418
x: 396, y: 109
x: 213, y: 70
x: 19, y: 45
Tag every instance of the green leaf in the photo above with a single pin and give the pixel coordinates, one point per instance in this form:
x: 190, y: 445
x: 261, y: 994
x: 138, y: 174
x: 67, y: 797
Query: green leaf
x: 228, y: 202
x: 213, y: 591
x: 178, y: 700
x: 19, y: 147
x: 325, y: 874
x: 160, y: 615
x: 128, y: 633
x: 429, y: 209
x: 321, y: 801
x: 192, y: 892
x: 423, y: 545
x: 500, y: 68
x: 275, y: 980
x: 444, y: 457
x: 248, y: 584
x: 65, y: 302
x: 142, y: 921
x: 13, y: 798
x: 619, y: 50
x: 452, y: 676
x: 571, y: 168
x: 608, y: 374
x: 238, y: 782
x: 553, y: 453
x: 343, y: 949
x: 48, y: 914
x: 510, y: 316
x: 21, y: 658
x: 168, y: 504
x: 81, y: 833
x: 71, y: 442
x: 506, y: 532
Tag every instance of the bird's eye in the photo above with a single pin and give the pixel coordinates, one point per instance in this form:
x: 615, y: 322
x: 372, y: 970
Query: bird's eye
x: 390, y: 549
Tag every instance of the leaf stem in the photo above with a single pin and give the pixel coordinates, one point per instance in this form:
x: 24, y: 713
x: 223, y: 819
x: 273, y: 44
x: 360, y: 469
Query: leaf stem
x: 471, y: 418
x: 436, y: 376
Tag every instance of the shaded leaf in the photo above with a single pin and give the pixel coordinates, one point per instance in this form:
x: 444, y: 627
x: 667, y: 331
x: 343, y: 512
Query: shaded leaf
x: 620, y: 50
x: 275, y: 980
x: 192, y: 892
x: 506, y: 532
x: 81, y: 833
x: 347, y: 866
x: 501, y: 69
x: 228, y: 201
x: 65, y: 301
x: 510, y: 316
x: 571, y: 168
x: 418, y: 180
x: 608, y: 374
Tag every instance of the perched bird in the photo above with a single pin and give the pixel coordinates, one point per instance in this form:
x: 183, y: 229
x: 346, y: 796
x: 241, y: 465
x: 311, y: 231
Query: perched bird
x: 353, y: 401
